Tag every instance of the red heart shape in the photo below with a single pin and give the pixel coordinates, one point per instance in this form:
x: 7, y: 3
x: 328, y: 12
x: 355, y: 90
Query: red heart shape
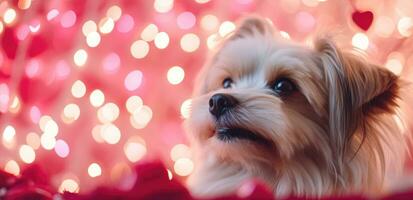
x: 363, y: 19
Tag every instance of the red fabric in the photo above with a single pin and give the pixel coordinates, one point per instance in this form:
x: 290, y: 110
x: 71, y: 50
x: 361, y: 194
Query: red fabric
x: 151, y: 183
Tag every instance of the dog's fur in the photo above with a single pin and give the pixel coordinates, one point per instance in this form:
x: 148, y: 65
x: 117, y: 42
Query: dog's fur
x: 337, y: 134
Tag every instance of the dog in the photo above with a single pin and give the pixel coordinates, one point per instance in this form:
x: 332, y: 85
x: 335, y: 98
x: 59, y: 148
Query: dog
x: 306, y: 121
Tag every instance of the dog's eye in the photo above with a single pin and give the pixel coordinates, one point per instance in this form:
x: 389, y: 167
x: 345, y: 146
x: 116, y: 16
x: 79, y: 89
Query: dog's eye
x: 227, y: 83
x: 283, y: 87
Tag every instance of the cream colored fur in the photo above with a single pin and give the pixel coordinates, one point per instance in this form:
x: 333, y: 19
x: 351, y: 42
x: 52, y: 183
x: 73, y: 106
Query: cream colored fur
x: 338, y: 134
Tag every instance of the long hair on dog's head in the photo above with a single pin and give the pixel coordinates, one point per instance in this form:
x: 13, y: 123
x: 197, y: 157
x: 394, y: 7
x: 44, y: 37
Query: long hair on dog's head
x: 305, y: 121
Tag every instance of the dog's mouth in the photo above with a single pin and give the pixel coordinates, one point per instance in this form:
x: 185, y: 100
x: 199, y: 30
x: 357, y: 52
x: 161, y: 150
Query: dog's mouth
x: 226, y: 134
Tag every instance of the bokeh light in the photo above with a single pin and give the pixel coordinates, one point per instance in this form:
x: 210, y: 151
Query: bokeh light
x: 94, y: 170
x: 190, y: 42
x: 180, y: 151
x: 161, y: 40
x: 133, y: 80
x: 225, y: 28
x: 78, y: 89
x: 186, y: 108
x: 89, y: 27
x: 12, y: 167
x: 175, y: 75
x: 69, y: 185
x: 108, y: 113
x: 106, y: 25
x: 114, y: 12
x: 8, y: 137
x: 33, y: 140
x: 209, y: 22
x: 141, y: 117
x: 149, y: 32
x: 135, y: 148
x: 80, y: 57
x: 92, y: 40
x: 110, y: 133
x: 27, y: 154
x: 9, y: 16
x: 134, y: 103
x: 183, y: 166
x: 97, y: 98
x: 360, y: 41
x: 163, y: 6
x: 139, y: 49
x: 61, y: 148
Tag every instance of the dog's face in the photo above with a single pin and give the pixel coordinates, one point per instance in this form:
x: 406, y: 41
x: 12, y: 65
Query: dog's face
x: 262, y: 101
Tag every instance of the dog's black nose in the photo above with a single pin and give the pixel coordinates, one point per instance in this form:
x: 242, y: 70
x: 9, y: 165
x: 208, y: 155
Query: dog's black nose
x: 219, y: 103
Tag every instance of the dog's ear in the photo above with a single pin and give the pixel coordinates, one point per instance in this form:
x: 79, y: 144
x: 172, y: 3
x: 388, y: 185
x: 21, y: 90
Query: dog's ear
x: 357, y: 91
x: 252, y: 26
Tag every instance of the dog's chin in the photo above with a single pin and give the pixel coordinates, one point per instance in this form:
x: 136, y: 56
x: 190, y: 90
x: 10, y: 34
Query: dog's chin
x: 237, y: 134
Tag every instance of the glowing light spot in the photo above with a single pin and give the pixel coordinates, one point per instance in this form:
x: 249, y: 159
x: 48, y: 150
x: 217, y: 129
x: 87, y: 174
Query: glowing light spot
x: 395, y: 62
x: 384, y: 26
x: 175, y: 75
x: 111, y: 63
x: 35, y: 114
x: 310, y: 3
x: 183, y: 166
x: 405, y: 26
x: 71, y: 113
x: 51, y: 128
x: 114, y: 12
x: 108, y: 113
x: 180, y: 151
x: 125, y: 24
x: 170, y: 176
x: 62, y: 70
x: 32, y: 68
x: 209, y: 22
x: 149, y: 32
x: 186, y: 108
x: 119, y: 171
x: 12, y: 167
x: 9, y: 16
x: 285, y: 35
x: 68, y: 19
x: 24, y: 4
x: 360, y: 41
x: 140, y: 118
x: 186, y: 20
x: 34, y: 26
x: 4, y: 97
x: 190, y: 42
x: 1, y: 31
x: 27, y: 154
x: 139, y: 49
x: 78, y: 89
x: 94, y: 170
x: 202, y: 1
x: 106, y: 25
x: 110, y: 133
x: 47, y: 141
x: 212, y: 41
x: 304, y: 22
x: 80, y: 57
x: 226, y: 28
x: 61, y: 148
x: 163, y: 6
x: 89, y: 27
x: 135, y: 149
x: 161, y: 40
x: 97, y: 98
x: 43, y: 121
x: 133, y: 104
x: 22, y: 32
x: 15, y: 105
x: 9, y: 140
x: 52, y: 14
x: 69, y: 185
x: 93, y: 39
x: 33, y: 140
x: 96, y: 133
x: 133, y: 80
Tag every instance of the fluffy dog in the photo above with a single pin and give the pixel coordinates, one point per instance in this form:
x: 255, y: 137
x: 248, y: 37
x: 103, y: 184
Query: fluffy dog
x: 305, y: 121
